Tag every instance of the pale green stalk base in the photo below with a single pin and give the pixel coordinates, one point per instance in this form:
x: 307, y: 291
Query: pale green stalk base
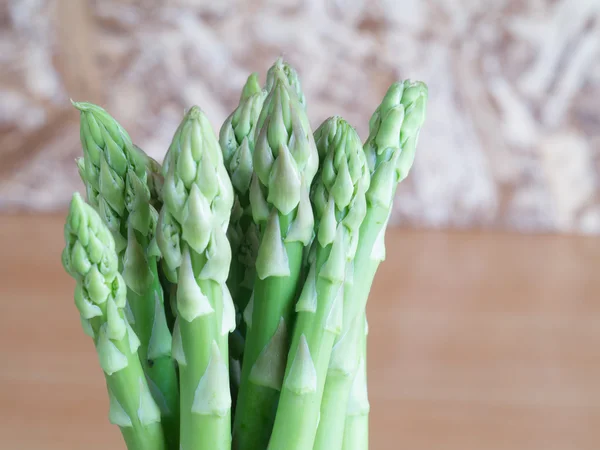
x: 356, y: 433
x: 356, y: 429
x: 337, y: 386
x: 297, y: 415
x: 330, y: 434
x: 161, y: 371
x: 125, y: 387
x: 273, y: 299
x: 202, y: 431
x: 365, y: 267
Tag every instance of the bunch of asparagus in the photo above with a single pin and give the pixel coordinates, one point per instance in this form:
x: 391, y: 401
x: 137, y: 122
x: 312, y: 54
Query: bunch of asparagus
x: 225, y: 290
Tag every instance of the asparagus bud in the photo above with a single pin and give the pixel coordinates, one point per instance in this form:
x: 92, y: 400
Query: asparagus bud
x: 291, y: 76
x: 90, y: 258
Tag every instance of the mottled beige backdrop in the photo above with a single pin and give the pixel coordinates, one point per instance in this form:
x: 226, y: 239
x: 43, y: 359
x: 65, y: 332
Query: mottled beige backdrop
x: 512, y: 138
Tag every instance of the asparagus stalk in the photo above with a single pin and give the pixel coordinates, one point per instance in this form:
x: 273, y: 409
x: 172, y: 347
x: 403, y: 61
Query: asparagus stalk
x: 285, y: 162
x: 237, y: 143
x: 339, y: 201
x: 356, y: 428
x: 119, y: 178
x: 283, y: 67
x: 345, y: 358
x: 90, y: 257
x: 390, y: 150
x: 191, y: 234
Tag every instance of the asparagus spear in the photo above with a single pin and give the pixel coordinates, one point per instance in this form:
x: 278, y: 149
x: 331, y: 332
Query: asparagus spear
x: 90, y: 258
x: 393, y: 134
x: 356, y: 428
x: 285, y: 162
x: 339, y: 200
x: 237, y: 143
x: 345, y: 359
x: 390, y: 150
x: 191, y: 234
x: 119, y: 178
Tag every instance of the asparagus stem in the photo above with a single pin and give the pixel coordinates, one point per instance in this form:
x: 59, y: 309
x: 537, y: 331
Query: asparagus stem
x: 271, y: 323
x: 390, y: 150
x: 285, y: 161
x: 356, y: 429
x: 340, y: 375
x: 206, y: 401
x: 122, y: 183
x: 90, y: 258
x: 339, y: 201
x: 155, y: 356
x: 198, y: 197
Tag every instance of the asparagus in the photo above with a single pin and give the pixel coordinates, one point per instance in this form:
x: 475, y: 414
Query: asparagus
x: 237, y: 143
x: 122, y: 182
x: 339, y: 201
x: 191, y: 235
x: 356, y: 428
x: 390, y: 150
x: 90, y: 257
x: 285, y: 162
x: 282, y: 67
x: 342, y: 369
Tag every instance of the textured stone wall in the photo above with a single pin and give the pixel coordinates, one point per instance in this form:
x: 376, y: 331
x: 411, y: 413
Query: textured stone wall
x: 512, y: 138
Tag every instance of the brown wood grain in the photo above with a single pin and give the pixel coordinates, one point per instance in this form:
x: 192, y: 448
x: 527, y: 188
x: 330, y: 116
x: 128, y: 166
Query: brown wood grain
x: 477, y: 341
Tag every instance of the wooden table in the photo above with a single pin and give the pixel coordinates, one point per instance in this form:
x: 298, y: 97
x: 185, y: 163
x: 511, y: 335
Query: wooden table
x: 477, y: 341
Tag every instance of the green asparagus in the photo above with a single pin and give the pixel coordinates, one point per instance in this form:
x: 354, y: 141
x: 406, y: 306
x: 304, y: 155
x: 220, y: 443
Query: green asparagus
x: 226, y: 290
x: 338, y: 197
x: 285, y: 162
x: 191, y: 235
x: 356, y: 428
x: 390, y: 149
x: 119, y: 178
x: 90, y: 257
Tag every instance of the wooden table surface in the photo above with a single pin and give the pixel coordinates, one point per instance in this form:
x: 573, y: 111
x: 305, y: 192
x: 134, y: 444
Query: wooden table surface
x: 477, y: 341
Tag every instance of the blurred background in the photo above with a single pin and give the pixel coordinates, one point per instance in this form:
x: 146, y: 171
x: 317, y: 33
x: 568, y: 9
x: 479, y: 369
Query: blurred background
x: 512, y: 139
x: 484, y: 320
